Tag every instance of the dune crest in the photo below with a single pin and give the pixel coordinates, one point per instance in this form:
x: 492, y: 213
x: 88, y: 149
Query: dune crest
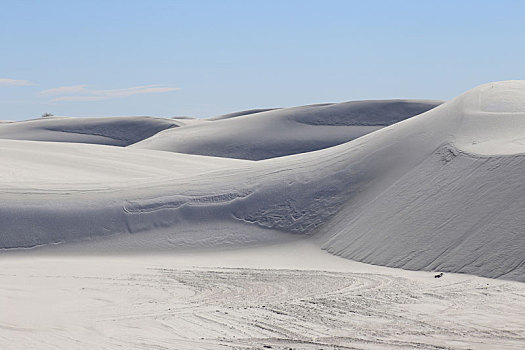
x: 274, y: 133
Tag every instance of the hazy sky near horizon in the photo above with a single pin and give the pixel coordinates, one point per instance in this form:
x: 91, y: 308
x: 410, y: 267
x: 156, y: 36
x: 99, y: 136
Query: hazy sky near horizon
x: 203, y: 58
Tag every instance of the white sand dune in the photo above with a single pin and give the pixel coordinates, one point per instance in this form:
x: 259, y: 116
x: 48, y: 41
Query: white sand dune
x: 170, y: 250
x: 241, y: 113
x: 442, y: 190
x: 458, y: 207
x: 116, y: 131
x: 280, y: 132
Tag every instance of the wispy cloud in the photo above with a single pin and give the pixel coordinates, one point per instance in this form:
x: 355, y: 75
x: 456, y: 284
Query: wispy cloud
x: 14, y: 82
x: 84, y: 93
x: 76, y: 89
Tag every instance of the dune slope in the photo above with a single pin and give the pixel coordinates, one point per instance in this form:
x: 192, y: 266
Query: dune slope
x: 459, y: 208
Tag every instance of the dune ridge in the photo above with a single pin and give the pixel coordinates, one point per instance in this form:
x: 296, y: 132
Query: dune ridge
x: 286, y: 131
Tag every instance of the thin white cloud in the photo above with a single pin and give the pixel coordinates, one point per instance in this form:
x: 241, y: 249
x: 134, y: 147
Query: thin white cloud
x: 14, y: 82
x: 78, y: 98
x: 63, y: 90
x: 84, y: 93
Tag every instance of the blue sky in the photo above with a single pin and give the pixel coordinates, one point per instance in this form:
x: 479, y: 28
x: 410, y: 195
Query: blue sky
x: 203, y: 58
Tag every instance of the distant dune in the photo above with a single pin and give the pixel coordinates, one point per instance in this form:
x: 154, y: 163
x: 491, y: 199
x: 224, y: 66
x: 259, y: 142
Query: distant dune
x: 116, y: 131
x: 443, y: 190
x: 281, y: 132
x: 241, y: 113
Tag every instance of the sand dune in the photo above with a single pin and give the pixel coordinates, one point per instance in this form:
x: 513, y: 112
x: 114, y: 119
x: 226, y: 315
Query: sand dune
x: 241, y: 113
x: 441, y: 190
x: 116, y: 131
x: 281, y: 132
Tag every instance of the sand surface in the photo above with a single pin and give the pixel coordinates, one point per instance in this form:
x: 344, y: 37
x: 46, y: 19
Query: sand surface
x: 287, y: 296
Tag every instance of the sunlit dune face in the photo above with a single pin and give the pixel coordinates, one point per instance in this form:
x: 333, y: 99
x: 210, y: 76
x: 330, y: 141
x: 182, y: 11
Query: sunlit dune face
x: 510, y: 99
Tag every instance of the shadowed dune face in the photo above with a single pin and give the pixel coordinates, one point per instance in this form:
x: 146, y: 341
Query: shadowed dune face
x: 116, y: 131
x: 364, y: 113
x: 441, y: 190
x: 281, y: 132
